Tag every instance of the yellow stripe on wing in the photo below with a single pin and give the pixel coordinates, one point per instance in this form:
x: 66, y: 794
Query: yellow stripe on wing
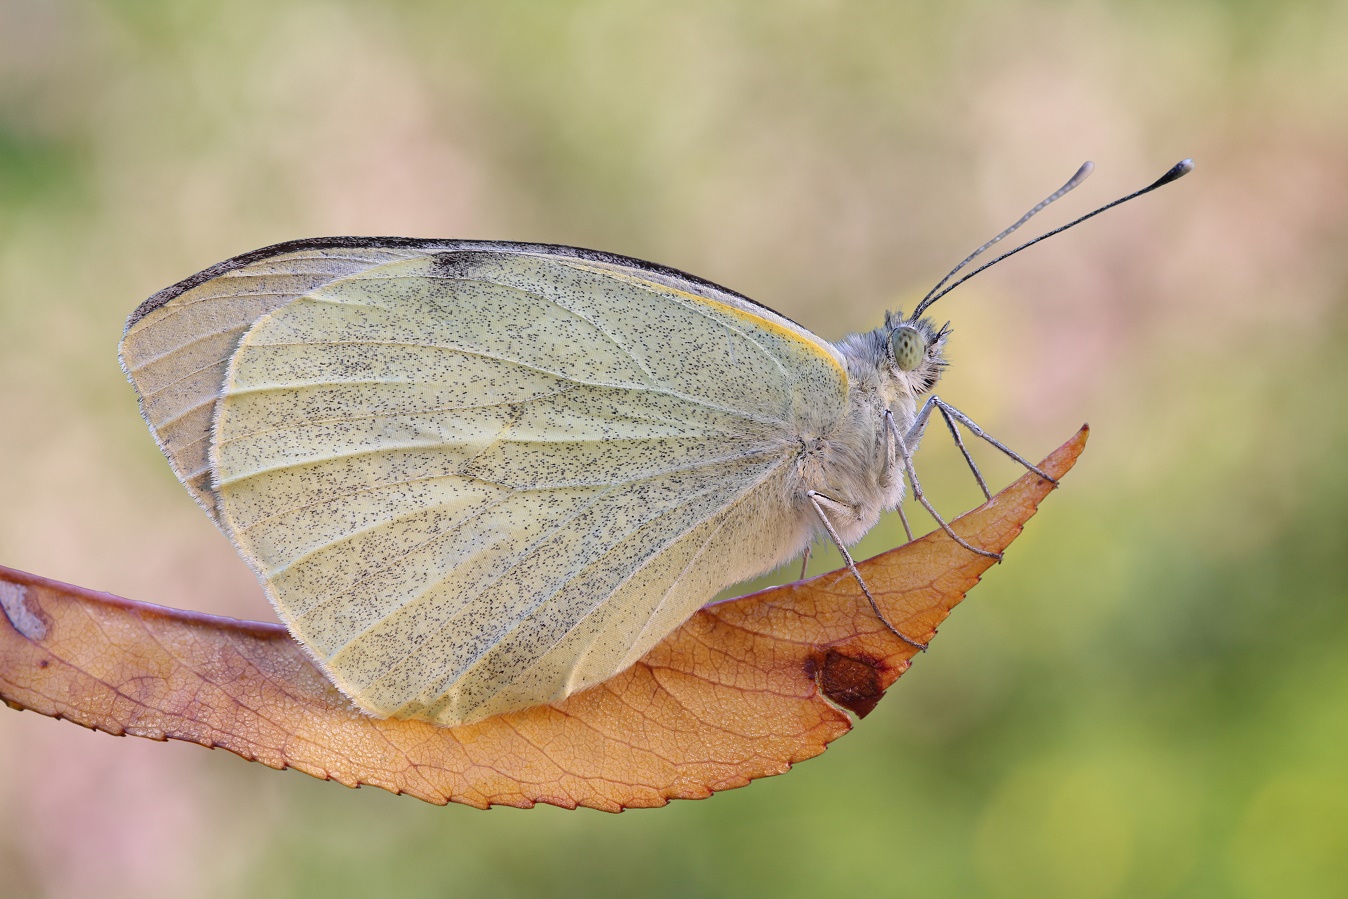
x: 799, y: 335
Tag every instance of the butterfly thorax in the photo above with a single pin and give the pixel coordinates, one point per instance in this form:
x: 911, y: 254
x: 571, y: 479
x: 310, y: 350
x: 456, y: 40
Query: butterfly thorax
x: 856, y: 462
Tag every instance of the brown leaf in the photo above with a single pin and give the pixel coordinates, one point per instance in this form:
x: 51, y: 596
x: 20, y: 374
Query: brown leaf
x: 744, y: 689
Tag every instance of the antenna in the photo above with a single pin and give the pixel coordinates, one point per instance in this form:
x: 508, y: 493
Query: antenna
x: 1177, y: 171
x: 1082, y: 174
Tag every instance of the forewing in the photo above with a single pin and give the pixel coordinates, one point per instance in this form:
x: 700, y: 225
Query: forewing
x: 178, y: 343
x: 476, y: 480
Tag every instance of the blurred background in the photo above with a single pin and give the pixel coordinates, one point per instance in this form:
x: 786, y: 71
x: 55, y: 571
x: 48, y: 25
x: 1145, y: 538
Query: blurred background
x: 1150, y: 698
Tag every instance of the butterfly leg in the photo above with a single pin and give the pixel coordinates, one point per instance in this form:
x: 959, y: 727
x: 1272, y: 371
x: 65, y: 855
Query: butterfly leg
x: 907, y: 529
x: 964, y: 450
x: 923, y: 414
x: 951, y: 415
x: 820, y: 501
x: 918, y: 495
x: 891, y: 462
x: 805, y: 560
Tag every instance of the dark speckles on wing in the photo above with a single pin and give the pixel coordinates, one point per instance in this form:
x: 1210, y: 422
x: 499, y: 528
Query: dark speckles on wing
x: 451, y: 469
x: 460, y: 264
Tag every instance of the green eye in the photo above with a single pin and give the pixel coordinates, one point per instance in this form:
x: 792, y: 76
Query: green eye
x: 908, y: 348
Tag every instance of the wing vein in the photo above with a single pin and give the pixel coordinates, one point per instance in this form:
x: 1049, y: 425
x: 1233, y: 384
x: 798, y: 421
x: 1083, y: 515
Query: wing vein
x: 699, y: 401
x: 429, y: 410
x: 625, y: 580
x: 522, y: 554
x: 513, y: 491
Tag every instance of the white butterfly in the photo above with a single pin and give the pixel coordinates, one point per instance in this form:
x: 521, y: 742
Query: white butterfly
x: 475, y: 477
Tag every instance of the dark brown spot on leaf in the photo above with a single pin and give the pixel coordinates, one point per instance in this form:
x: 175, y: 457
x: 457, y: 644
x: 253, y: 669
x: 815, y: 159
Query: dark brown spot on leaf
x: 853, y: 683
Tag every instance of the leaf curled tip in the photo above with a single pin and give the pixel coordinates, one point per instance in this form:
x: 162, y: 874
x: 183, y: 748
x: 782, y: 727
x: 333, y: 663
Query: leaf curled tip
x: 767, y: 680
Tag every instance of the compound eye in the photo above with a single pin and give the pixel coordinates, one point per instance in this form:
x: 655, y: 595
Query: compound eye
x: 908, y: 347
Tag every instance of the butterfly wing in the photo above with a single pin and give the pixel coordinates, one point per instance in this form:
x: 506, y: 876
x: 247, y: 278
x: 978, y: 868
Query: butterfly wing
x: 477, y: 477
x: 178, y: 343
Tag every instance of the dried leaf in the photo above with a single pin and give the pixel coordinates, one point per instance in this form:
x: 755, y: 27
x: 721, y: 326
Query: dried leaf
x: 744, y: 689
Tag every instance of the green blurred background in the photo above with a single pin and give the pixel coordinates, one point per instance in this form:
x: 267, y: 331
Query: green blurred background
x: 1149, y: 699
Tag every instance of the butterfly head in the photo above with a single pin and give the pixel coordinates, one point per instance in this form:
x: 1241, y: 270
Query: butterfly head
x: 915, y: 351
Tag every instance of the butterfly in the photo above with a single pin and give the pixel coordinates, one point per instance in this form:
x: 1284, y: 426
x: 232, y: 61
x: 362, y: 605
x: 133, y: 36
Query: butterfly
x: 475, y: 476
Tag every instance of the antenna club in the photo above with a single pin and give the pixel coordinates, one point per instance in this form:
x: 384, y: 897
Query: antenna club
x: 1177, y: 171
